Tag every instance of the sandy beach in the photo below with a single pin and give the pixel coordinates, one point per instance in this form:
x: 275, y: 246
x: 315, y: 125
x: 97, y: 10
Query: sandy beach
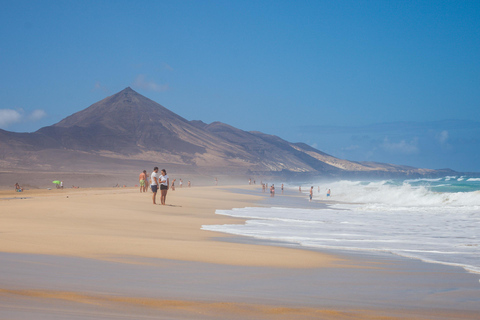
x: 109, y: 253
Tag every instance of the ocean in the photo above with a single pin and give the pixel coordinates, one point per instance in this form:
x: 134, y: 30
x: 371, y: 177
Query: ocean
x: 434, y: 220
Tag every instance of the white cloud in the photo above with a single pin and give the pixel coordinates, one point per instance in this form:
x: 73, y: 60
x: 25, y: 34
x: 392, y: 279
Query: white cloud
x: 403, y: 147
x: 11, y: 116
x: 37, y: 115
x: 8, y: 117
x: 142, y: 82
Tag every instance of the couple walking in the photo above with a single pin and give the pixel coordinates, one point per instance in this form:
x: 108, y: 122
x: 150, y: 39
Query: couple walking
x: 159, y: 179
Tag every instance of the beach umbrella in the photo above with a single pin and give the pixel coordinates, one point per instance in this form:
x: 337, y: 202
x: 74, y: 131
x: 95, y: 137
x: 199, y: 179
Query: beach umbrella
x: 56, y: 182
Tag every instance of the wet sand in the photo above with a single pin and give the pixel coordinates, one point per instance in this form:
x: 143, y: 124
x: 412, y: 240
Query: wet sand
x: 112, y: 254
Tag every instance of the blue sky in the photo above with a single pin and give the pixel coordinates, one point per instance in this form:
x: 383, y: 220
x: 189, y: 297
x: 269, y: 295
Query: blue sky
x: 328, y: 73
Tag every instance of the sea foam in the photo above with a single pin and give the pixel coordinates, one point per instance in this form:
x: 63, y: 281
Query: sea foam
x: 407, y: 218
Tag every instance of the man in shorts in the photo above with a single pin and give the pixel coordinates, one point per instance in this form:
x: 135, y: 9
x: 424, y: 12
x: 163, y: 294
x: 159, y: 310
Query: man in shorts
x: 154, y: 184
x: 142, y: 178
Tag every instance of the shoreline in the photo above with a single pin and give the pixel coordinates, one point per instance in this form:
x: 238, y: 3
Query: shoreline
x: 186, y: 271
x: 299, y: 201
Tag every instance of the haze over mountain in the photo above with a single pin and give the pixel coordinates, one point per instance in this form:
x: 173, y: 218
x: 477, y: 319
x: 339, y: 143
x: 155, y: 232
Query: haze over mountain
x: 127, y: 131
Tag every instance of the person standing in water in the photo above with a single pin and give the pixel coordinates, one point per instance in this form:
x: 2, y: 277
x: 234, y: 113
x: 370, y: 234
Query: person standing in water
x: 328, y: 193
x: 154, y: 184
x: 164, y: 182
x: 311, y: 193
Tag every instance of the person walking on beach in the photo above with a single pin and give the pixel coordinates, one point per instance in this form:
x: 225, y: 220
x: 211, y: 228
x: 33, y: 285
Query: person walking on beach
x: 311, y: 193
x: 173, y: 184
x: 181, y: 183
x: 328, y: 193
x: 142, y: 177
x: 154, y: 184
x: 164, y: 182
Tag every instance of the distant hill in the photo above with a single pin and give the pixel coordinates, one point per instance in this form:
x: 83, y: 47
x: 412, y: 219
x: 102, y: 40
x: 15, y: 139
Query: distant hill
x: 128, y: 131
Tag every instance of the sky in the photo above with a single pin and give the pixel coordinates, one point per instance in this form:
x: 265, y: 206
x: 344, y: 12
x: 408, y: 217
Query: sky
x: 387, y: 81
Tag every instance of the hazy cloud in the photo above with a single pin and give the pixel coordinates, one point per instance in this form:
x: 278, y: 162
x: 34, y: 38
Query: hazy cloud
x: 351, y: 147
x: 37, y: 115
x: 167, y: 67
x: 8, y: 117
x: 11, y: 116
x: 99, y: 87
x: 443, y: 136
x: 402, y: 147
x: 142, y: 82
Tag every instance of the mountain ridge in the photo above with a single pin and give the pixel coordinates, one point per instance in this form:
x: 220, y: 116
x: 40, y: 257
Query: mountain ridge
x: 132, y: 130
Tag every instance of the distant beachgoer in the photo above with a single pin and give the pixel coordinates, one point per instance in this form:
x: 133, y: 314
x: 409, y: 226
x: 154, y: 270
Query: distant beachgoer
x: 216, y: 181
x: 164, y: 182
x: 282, y: 187
x: 61, y: 184
x: 189, y: 184
x: 311, y: 193
x: 18, y: 188
x: 249, y: 181
x: 300, y: 189
x: 263, y: 187
x: 154, y: 184
x: 272, y: 190
x: 181, y: 183
x: 173, y: 184
x: 254, y: 182
x: 328, y: 193
x: 142, y: 177
x: 147, y: 182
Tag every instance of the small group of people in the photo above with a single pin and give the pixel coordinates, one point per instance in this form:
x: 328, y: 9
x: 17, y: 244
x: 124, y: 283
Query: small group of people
x: 311, y: 192
x: 18, y: 188
x: 159, y: 180
x: 272, y: 188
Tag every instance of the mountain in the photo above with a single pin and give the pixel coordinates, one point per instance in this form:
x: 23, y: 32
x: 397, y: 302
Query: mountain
x: 128, y: 131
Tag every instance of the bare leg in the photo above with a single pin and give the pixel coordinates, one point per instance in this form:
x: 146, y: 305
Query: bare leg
x: 163, y: 196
